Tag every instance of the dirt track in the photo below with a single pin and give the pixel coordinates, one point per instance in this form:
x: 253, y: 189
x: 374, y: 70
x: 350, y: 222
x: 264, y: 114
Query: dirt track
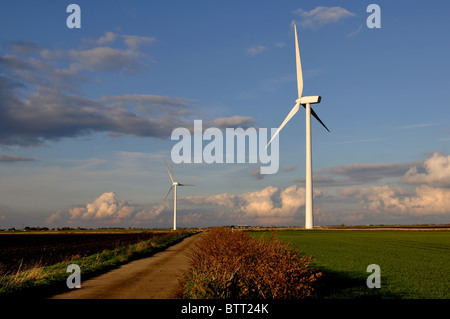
x: 156, y: 277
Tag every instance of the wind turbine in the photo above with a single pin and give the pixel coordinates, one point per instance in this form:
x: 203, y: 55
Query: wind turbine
x: 306, y: 102
x: 174, y: 185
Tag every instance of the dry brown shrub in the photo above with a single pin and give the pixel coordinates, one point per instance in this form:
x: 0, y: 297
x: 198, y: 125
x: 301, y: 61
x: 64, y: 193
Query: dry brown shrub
x: 230, y: 264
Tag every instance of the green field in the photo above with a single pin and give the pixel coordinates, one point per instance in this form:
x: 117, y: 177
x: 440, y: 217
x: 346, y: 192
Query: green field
x: 414, y: 264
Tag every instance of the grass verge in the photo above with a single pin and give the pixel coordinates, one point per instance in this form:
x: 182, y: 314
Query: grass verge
x: 41, y: 281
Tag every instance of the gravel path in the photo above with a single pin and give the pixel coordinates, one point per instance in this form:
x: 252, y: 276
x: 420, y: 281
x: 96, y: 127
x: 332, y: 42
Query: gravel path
x: 155, y: 277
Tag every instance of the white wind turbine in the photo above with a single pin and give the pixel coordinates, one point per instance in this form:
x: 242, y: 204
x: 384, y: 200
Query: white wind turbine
x: 306, y: 102
x: 174, y: 185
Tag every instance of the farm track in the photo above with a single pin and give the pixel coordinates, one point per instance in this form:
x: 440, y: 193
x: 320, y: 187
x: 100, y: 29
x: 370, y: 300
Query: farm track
x: 156, y: 277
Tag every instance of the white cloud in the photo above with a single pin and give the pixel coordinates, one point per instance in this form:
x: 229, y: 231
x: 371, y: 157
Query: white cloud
x: 268, y: 205
x: 430, y: 200
x: 134, y: 42
x: 378, y: 198
x: 437, y: 172
x: 273, y: 205
x: 150, y: 214
x: 255, y: 50
x: 430, y: 197
x: 321, y: 16
x: 104, y: 207
x: 40, y: 102
x: 105, y: 59
x: 425, y: 200
x: 53, y: 218
x: 109, y: 37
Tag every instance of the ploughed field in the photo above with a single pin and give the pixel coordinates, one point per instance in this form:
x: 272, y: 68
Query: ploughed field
x: 26, y: 250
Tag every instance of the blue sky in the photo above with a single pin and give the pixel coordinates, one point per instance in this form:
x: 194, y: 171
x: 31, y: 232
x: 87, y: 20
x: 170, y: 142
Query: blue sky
x: 87, y: 114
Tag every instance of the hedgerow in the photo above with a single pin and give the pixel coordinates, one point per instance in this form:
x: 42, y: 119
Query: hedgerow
x: 229, y: 264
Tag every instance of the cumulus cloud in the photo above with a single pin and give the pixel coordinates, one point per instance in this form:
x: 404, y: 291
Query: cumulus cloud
x: 430, y: 199
x: 436, y: 172
x: 377, y: 198
x: 425, y: 200
x: 268, y: 205
x: 321, y: 16
x: 108, y: 209
x: 53, y: 218
x: 104, y: 207
x: 150, y: 214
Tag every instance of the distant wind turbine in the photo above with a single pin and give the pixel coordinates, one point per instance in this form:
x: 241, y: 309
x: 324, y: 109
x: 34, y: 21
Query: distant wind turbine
x: 174, y: 185
x: 306, y: 102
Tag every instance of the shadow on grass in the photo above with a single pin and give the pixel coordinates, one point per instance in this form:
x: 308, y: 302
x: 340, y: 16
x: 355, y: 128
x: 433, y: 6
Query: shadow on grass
x: 349, y: 285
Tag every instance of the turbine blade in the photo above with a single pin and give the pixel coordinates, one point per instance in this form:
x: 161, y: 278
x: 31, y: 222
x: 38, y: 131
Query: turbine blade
x: 167, y: 194
x: 317, y: 118
x: 185, y: 184
x: 290, y: 115
x: 169, y: 171
x: 299, y: 66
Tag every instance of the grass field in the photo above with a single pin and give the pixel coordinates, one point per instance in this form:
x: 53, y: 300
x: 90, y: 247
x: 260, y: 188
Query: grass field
x: 414, y: 264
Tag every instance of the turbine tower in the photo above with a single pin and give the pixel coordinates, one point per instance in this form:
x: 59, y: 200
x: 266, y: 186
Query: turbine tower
x: 174, y: 185
x: 306, y: 102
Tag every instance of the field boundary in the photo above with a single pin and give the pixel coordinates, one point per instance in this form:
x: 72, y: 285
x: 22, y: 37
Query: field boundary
x: 349, y: 228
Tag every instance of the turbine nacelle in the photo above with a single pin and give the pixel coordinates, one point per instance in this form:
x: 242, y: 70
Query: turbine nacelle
x: 309, y: 99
